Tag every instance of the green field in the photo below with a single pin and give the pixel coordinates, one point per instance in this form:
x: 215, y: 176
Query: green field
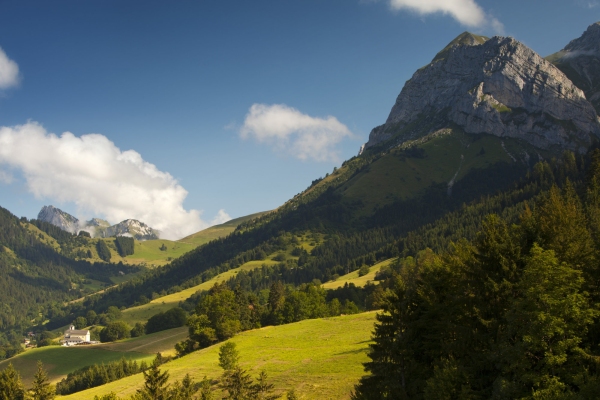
x: 217, y: 231
x: 320, y: 358
x: 359, y: 281
x: 59, y: 361
x: 144, y: 312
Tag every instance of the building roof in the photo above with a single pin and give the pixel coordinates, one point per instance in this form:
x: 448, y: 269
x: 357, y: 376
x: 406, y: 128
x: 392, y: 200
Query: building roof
x: 76, y: 332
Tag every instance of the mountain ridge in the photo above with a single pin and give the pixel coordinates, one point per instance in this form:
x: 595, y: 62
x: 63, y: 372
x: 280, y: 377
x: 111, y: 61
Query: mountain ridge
x: 498, y: 86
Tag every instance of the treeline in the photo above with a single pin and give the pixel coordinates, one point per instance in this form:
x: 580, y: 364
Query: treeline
x: 97, y: 375
x: 511, y: 314
x: 125, y: 245
x: 222, y: 312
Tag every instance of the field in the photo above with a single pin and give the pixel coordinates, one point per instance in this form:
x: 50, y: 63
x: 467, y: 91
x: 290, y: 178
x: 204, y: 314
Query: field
x: 162, y: 304
x: 358, y: 281
x: 320, y: 359
x: 59, y: 361
x: 217, y: 231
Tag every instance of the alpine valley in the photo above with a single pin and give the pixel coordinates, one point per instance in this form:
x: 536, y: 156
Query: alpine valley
x: 470, y: 220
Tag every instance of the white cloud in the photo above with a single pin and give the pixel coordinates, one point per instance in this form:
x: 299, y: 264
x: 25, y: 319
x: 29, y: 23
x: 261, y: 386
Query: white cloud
x: 99, y: 178
x: 301, y: 135
x: 9, y: 71
x: 466, y: 12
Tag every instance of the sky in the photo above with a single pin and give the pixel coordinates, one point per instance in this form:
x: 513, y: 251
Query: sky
x: 185, y: 114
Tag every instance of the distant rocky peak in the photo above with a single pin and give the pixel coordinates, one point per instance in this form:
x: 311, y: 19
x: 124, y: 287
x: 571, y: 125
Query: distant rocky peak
x: 134, y: 228
x: 464, y: 39
x: 58, y: 217
x: 98, y: 222
x: 588, y: 43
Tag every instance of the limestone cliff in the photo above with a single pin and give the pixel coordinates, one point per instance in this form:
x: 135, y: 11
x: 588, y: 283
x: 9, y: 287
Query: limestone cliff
x: 496, y: 86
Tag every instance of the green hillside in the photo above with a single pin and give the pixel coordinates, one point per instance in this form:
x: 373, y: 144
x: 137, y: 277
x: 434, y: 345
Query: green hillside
x: 354, y: 278
x: 59, y: 361
x: 218, y: 231
x: 320, y: 359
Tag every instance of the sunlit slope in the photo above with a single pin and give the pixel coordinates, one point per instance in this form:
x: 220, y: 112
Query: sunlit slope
x: 357, y: 280
x: 405, y: 173
x: 218, y: 231
x: 144, y: 312
x: 320, y: 358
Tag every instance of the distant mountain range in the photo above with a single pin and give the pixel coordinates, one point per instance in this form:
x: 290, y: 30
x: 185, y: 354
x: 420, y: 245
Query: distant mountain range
x: 97, y: 227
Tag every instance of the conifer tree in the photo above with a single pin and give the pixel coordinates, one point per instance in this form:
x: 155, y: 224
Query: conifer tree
x: 206, y: 392
x: 41, y: 388
x: 11, y: 387
x: 155, y: 383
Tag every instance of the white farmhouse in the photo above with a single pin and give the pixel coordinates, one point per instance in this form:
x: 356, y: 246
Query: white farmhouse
x: 75, y: 336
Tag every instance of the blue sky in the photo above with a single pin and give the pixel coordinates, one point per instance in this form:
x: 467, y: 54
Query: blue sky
x: 176, y: 83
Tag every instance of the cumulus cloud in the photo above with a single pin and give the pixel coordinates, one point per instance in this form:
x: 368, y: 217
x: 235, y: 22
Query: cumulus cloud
x: 289, y: 130
x: 9, y: 71
x: 466, y: 12
x: 99, y: 178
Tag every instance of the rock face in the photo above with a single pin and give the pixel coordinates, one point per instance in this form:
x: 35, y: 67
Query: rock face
x: 97, y: 227
x: 496, y: 86
x: 58, y: 217
x: 580, y: 61
x: 134, y: 228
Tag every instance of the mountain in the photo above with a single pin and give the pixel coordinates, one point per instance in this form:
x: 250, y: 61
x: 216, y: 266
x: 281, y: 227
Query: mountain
x: 96, y: 226
x: 496, y: 86
x: 580, y: 62
x: 134, y: 228
x: 218, y: 231
x: 58, y: 217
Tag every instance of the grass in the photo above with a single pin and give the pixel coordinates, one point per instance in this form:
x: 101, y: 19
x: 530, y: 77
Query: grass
x: 217, y: 231
x: 396, y: 176
x: 359, y: 281
x: 320, y: 359
x: 144, y: 312
x: 59, y: 361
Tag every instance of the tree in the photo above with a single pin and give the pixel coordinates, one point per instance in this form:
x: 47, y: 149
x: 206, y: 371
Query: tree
x: 262, y: 389
x: 41, y: 388
x: 206, y: 392
x: 200, y: 331
x: 155, y: 384
x: 228, y: 356
x: 11, y: 387
x: 80, y: 322
x: 238, y: 384
x: 115, y: 331
x: 125, y: 245
x: 103, y: 250
x: 138, y: 330
x: 184, y: 390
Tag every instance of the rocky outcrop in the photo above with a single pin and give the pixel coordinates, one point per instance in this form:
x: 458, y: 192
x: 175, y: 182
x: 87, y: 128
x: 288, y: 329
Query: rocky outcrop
x: 58, y: 217
x: 134, y: 228
x: 580, y: 62
x: 97, y: 227
x: 497, y: 86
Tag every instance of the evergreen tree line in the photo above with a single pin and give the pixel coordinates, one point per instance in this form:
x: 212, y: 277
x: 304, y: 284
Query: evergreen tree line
x: 97, y: 375
x: 512, y: 314
x: 125, y: 245
x: 11, y: 387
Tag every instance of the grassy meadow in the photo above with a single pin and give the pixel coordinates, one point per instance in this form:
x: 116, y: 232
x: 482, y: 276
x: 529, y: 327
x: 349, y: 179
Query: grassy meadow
x: 59, y: 361
x: 358, y: 281
x: 320, y: 358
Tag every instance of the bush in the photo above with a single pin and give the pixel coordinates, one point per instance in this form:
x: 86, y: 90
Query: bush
x: 363, y: 270
x: 138, y: 330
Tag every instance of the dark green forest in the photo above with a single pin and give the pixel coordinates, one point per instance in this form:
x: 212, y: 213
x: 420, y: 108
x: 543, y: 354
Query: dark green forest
x: 512, y: 314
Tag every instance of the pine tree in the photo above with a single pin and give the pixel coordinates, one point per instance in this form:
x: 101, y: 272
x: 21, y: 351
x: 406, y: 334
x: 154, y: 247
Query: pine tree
x: 206, y: 392
x: 155, y: 383
x: 262, y: 389
x: 228, y: 356
x: 11, y: 387
x: 238, y: 384
x: 41, y: 389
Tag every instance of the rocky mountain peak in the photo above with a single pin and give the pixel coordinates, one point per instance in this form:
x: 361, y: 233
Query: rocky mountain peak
x: 588, y: 42
x: 580, y: 62
x: 58, y: 217
x: 464, y: 39
x: 495, y: 86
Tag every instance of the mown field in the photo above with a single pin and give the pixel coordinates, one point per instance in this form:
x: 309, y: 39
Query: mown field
x: 59, y: 361
x: 320, y: 358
